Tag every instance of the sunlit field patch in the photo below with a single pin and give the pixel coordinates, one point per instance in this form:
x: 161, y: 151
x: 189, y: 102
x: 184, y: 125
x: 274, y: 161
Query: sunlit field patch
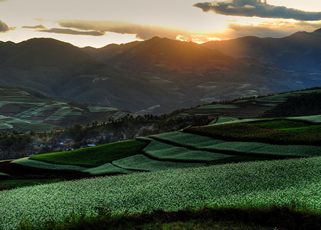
x: 255, y: 184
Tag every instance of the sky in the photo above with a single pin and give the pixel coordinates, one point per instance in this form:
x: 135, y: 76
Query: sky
x: 98, y: 23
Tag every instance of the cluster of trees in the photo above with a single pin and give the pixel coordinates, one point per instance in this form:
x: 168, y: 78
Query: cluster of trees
x: 18, y: 144
x: 129, y: 126
x: 13, y: 145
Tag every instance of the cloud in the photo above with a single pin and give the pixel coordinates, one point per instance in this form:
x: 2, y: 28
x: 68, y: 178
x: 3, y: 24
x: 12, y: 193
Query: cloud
x: 251, y: 8
x: 72, y: 32
x: 141, y: 31
x: 4, y: 27
x: 276, y: 29
x: 34, y: 27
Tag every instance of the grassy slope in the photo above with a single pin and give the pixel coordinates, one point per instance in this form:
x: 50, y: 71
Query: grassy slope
x: 10, y: 184
x: 94, y: 156
x: 290, y: 125
x: 248, y: 132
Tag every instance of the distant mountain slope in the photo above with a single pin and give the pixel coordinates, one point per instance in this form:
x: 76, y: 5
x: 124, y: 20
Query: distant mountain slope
x: 209, y: 74
x: 300, y: 51
x: 172, y: 55
x: 154, y: 76
x: 25, y: 110
x: 295, y: 103
x: 59, y: 69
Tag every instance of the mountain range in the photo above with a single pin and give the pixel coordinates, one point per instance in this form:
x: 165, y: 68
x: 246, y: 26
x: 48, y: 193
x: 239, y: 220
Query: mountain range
x: 300, y: 51
x: 157, y: 75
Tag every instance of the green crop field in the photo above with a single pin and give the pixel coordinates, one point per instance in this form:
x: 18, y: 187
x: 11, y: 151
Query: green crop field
x: 100, y: 109
x: 219, y: 106
x: 94, y: 156
x: 247, y: 132
x: 221, y: 120
x: 315, y: 129
x: 35, y: 126
x: 255, y: 184
x: 316, y: 119
x: 107, y: 168
x: 163, y: 151
x: 186, y: 139
x: 142, y: 163
x: 5, y: 184
x: 279, y: 124
x: 43, y: 165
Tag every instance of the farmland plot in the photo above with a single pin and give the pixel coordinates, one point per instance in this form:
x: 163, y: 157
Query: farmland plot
x: 62, y: 112
x: 38, y: 164
x: 256, y: 184
x: 266, y: 149
x: 186, y: 139
x: 165, y: 151
x: 315, y: 119
x: 107, y: 169
x: 142, y: 163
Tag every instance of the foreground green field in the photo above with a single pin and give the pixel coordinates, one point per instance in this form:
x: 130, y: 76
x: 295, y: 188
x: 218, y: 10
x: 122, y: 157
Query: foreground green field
x: 242, y: 185
x: 230, y: 164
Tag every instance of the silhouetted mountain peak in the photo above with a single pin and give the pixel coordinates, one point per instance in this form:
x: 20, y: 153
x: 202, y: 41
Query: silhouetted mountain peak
x: 317, y: 31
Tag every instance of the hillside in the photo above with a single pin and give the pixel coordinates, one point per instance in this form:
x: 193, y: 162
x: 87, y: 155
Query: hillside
x: 252, y: 107
x: 27, y: 110
x: 300, y: 51
x: 177, y: 159
x: 192, y: 69
x: 154, y: 76
x: 59, y: 69
x: 299, y: 105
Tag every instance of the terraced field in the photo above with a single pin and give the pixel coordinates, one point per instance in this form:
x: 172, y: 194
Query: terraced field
x: 228, y: 140
x: 182, y: 161
x: 26, y: 111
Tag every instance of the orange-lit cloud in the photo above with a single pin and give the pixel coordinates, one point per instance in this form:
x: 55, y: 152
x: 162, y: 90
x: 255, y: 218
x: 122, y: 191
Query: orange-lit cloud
x: 251, y: 8
x: 34, y: 27
x: 72, y: 32
x: 141, y: 31
x: 277, y: 29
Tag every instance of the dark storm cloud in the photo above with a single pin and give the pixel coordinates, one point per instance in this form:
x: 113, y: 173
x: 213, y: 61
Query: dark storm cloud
x: 4, y: 27
x: 251, y: 8
x: 141, y: 31
x: 72, y: 32
x: 34, y: 27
